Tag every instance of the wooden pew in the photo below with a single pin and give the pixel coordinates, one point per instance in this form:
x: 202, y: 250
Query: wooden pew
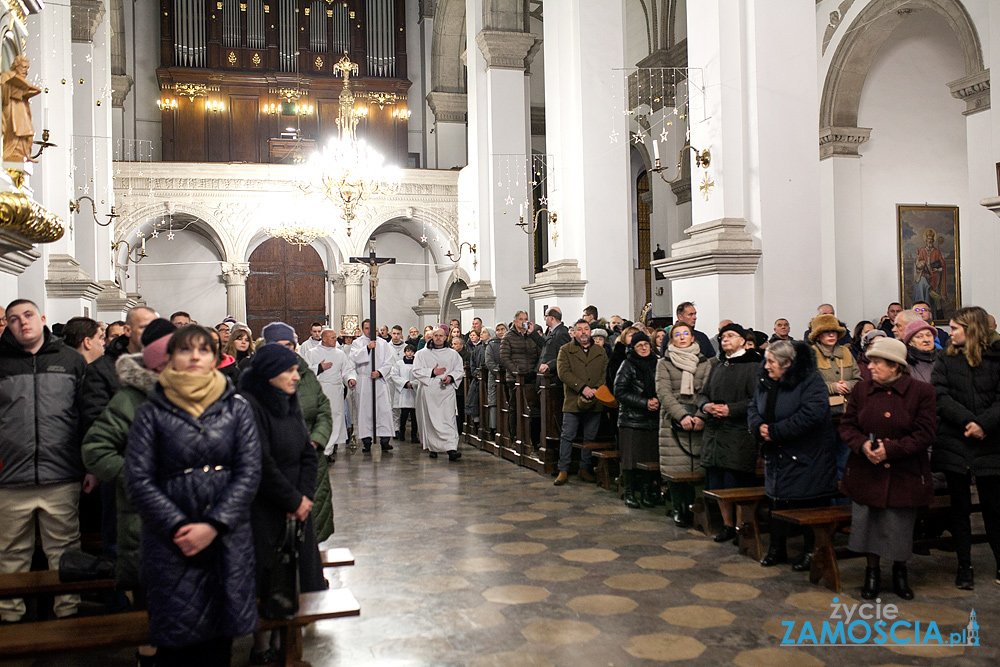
x: 526, y: 409
x: 747, y: 503
x: 113, y: 631
x: 606, y: 469
x: 550, y: 401
x: 505, y: 439
x: 484, y: 408
x: 46, y: 582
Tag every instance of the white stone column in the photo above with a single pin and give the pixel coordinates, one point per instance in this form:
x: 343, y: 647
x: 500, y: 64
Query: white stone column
x: 449, y: 138
x: 354, y: 276
x: 764, y: 173
x: 591, y: 261
x: 338, y: 299
x: 235, y: 275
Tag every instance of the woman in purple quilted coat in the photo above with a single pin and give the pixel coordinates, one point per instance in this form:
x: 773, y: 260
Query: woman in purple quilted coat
x: 192, y: 469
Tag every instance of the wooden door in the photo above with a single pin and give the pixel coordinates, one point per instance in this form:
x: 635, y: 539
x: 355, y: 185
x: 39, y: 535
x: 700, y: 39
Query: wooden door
x: 285, y: 284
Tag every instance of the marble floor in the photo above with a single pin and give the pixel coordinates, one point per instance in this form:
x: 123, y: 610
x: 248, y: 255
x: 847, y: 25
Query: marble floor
x: 484, y: 563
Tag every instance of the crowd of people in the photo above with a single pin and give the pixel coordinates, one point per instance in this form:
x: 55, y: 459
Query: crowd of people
x: 201, y: 441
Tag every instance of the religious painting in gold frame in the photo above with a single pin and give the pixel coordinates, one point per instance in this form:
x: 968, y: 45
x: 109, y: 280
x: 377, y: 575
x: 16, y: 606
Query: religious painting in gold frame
x: 929, y: 258
x: 349, y: 323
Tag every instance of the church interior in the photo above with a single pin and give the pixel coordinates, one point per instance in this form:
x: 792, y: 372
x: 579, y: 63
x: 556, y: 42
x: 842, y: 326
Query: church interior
x: 245, y: 158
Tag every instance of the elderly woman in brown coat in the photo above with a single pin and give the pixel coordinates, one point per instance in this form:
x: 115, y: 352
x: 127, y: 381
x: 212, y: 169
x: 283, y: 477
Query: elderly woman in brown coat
x: 839, y: 370
x: 889, y: 426
x: 680, y: 376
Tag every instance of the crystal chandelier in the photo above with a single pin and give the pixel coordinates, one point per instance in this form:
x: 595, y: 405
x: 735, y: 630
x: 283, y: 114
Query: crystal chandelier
x: 347, y: 171
x: 300, y: 223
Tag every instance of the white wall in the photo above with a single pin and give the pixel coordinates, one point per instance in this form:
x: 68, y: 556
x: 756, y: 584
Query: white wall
x: 916, y: 153
x: 142, y: 45
x: 186, y: 285
x: 400, y: 285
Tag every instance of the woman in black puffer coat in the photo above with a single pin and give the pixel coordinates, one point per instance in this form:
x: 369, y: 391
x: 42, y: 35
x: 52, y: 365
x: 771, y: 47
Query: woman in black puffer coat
x: 288, y: 481
x: 790, y: 416
x: 638, y: 419
x: 966, y: 380
x: 192, y: 468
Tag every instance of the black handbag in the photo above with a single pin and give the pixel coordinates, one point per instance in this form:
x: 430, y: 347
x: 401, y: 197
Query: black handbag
x: 279, y: 598
x: 76, y: 565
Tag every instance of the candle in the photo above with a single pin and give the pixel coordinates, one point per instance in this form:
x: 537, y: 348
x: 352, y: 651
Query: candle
x: 522, y: 210
x: 143, y: 245
x: 656, y: 150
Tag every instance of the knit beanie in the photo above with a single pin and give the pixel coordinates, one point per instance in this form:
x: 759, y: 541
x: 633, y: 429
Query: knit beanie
x: 913, y: 328
x: 735, y: 328
x: 272, y: 360
x: 276, y: 332
x: 639, y: 337
x: 155, y: 339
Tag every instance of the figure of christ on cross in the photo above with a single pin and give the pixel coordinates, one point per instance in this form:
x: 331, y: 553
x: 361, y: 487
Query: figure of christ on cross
x: 373, y: 263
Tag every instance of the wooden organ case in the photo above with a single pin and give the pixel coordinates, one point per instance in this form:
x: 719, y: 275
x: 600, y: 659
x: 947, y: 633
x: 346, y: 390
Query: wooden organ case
x: 254, y: 80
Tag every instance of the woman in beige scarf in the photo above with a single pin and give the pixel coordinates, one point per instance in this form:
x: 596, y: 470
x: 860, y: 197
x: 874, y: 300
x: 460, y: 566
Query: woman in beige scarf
x: 680, y: 375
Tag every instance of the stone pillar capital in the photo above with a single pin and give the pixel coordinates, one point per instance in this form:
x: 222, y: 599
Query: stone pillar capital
x: 86, y: 17
x: 121, y: 85
x: 68, y: 280
x: 716, y: 247
x: 235, y: 273
x: 842, y: 141
x: 504, y: 49
x: 428, y: 305
x: 479, y: 295
x: 353, y: 273
x: 448, y: 107
x: 974, y: 90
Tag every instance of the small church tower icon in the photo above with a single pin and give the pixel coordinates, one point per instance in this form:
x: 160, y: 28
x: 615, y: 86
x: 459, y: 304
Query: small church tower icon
x: 972, y: 630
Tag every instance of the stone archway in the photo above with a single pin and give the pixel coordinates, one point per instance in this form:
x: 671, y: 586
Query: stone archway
x: 857, y: 50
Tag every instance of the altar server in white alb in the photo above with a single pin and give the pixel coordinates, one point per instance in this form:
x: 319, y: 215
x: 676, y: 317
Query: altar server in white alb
x: 404, y: 398
x: 334, y: 371
x: 361, y: 356
x: 437, y: 374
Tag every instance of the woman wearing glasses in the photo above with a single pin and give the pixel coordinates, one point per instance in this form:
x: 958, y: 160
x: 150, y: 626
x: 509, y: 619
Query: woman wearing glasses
x: 680, y: 376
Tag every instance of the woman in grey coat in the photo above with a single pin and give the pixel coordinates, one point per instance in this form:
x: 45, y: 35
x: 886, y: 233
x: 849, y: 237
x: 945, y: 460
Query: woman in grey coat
x: 492, y: 361
x: 680, y: 376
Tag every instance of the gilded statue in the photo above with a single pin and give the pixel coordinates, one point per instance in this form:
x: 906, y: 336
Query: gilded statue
x: 18, y: 132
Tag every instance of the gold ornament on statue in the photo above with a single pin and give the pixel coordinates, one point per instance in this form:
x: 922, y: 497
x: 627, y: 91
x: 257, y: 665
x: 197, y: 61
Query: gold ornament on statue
x: 18, y: 132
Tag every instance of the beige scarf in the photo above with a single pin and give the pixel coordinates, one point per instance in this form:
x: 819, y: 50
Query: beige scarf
x: 686, y: 360
x: 192, y: 392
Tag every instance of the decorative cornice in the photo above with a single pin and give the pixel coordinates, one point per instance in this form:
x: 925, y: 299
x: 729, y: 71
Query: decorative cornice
x: 504, y: 49
x: 682, y: 189
x: 429, y: 304
x: 121, y: 85
x: 448, y: 107
x: 15, y: 261
x: 67, y: 280
x: 836, y: 18
x: 479, y: 295
x: 561, y: 278
x: 974, y: 90
x: 718, y: 247
x: 992, y: 203
x: 86, y: 17
x: 842, y: 141
x: 113, y: 299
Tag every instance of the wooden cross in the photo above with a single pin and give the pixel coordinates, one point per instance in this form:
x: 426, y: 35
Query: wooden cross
x: 373, y: 263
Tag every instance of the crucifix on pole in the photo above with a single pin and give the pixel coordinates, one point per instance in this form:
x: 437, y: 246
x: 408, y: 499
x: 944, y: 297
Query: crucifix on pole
x: 373, y: 263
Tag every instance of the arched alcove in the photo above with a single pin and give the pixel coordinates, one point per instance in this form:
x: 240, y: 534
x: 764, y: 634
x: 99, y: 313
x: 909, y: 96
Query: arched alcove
x: 287, y: 283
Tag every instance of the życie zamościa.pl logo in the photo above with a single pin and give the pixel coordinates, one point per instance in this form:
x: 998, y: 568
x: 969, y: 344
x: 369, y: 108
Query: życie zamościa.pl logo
x: 874, y: 624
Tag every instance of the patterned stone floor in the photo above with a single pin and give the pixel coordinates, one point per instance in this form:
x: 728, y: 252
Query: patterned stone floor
x: 483, y: 563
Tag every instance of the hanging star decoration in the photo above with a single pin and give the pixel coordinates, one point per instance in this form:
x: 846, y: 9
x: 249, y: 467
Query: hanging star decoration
x: 664, y: 135
x: 423, y: 239
x: 706, y: 185
x: 509, y: 200
x: 613, y: 136
x: 543, y: 201
x: 89, y: 58
x: 638, y: 137
x: 155, y: 234
x: 170, y: 236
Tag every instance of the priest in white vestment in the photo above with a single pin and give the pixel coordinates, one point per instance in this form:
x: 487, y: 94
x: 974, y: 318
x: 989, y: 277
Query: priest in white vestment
x: 361, y: 356
x: 437, y: 373
x: 334, y: 371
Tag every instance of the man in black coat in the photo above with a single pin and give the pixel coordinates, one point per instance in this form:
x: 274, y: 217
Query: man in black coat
x: 101, y: 382
x: 41, y: 467
x: 556, y: 336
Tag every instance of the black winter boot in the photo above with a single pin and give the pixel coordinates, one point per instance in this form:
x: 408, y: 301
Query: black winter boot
x: 628, y: 479
x: 873, y: 582
x: 648, y: 498
x: 901, y: 581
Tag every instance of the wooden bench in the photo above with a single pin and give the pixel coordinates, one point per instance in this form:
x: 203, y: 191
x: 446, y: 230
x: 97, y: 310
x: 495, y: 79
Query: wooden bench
x: 747, y: 501
x: 651, y: 466
x: 132, y: 629
x: 606, y: 468
x: 46, y: 582
x: 337, y: 557
x: 826, y: 521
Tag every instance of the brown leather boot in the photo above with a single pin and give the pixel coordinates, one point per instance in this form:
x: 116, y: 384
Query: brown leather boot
x: 561, y: 478
x: 586, y: 476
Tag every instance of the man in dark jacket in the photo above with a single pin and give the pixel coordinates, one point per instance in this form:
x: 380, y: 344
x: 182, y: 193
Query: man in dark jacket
x: 581, y: 366
x: 688, y: 314
x: 101, y: 382
x: 519, y: 351
x: 40, y: 464
x: 557, y: 336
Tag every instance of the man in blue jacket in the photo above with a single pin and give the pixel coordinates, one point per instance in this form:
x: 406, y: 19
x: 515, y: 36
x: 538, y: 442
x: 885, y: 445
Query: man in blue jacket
x: 40, y: 463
